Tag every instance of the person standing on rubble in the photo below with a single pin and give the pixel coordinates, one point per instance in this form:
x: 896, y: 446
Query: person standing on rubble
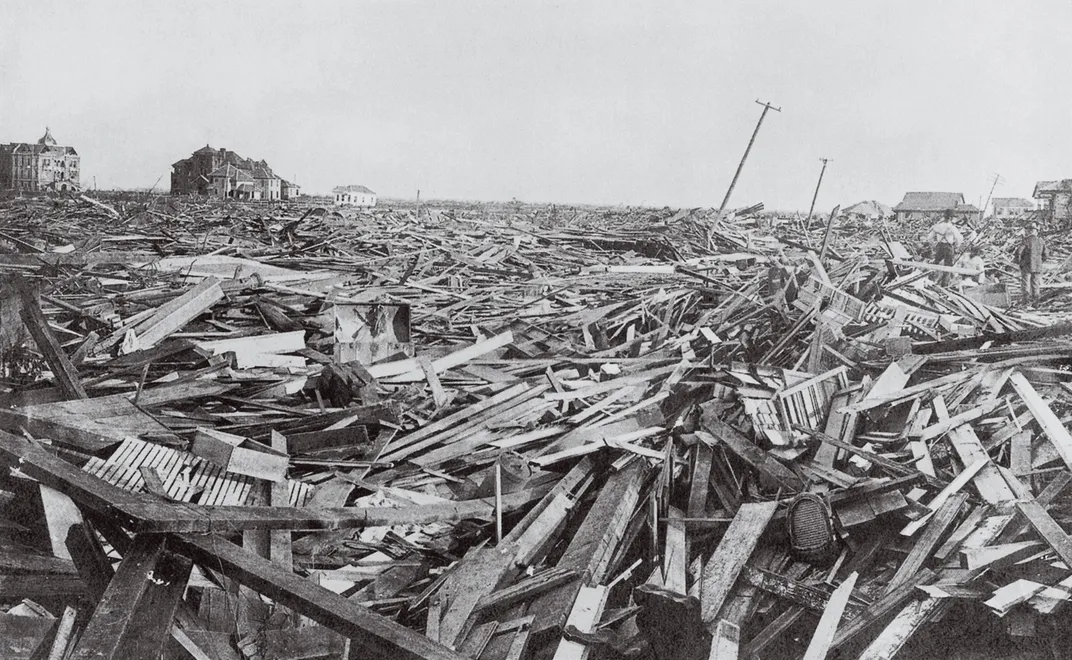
x: 946, y: 240
x: 1029, y: 257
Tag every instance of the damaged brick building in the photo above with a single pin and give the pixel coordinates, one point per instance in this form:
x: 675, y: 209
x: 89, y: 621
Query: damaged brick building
x: 42, y: 166
x: 226, y: 175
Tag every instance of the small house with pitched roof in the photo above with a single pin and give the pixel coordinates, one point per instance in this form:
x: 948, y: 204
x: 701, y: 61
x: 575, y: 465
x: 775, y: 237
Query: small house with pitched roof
x: 354, y: 196
x: 933, y: 205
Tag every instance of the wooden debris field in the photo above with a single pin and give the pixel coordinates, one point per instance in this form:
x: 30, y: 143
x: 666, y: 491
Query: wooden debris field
x: 507, y: 432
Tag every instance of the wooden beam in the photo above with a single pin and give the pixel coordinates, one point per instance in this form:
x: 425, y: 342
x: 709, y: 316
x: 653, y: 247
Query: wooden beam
x: 1051, y: 425
x: 1047, y: 528
x: 823, y: 636
x: 881, y: 608
x: 725, y: 564
x: 133, y: 617
x: 524, y: 589
x: 703, y: 455
x: 936, y: 529
x: 739, y: 444
x: 593, y: 545
x: 725, y: 641
x: 584, y: 616
x: 63, y: 370
x: 379, y: 636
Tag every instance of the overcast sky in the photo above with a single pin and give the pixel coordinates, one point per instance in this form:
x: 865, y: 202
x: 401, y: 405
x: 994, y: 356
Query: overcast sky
x: 604, y: 102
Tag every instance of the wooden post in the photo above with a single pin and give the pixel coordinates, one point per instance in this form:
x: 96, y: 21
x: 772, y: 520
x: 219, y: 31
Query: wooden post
x: 826, y: 236
x: 740, y: 166
x: 807, y: 223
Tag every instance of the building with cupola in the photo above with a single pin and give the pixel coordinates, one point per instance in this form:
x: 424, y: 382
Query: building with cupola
x: 46, y: 165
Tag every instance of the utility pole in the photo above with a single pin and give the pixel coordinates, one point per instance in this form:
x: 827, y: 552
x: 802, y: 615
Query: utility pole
x: 807, y: 223
x: 418, y: 203
x: 997, y: 179
x: 737, y: 174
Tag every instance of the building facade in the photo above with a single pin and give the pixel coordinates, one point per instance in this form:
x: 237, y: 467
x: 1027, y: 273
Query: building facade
x: 42, y: 166
x: 933, y: 205
x: 1054, y: 199
x: 289, y: 190
x: 226, y: 175
x: 354, y: 196
x: 1011, y: 208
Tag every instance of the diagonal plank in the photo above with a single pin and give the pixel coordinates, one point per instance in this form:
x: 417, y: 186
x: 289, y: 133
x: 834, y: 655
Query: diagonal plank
x: 133, y: 617
x: 378, y: 636
x: 725, y: 565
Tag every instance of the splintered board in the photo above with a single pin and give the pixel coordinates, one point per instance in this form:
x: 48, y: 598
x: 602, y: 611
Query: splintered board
x: 184, y: 476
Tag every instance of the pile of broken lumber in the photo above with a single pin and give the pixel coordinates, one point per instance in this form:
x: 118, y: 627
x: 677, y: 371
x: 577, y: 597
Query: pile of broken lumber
x: 472, y: 433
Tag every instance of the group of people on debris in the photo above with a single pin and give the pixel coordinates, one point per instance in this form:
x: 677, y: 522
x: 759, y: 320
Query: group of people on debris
x: 951, y: 248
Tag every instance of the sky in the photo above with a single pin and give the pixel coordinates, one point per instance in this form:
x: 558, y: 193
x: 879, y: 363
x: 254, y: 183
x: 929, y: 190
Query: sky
x: 637, y: 103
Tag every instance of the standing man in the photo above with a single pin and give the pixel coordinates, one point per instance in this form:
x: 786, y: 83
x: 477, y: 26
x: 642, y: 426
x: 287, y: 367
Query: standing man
x: 946, y: 240
x: 1030, y: 257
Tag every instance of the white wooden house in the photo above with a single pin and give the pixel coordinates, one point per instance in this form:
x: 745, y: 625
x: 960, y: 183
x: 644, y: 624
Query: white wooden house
x: 354, y: 196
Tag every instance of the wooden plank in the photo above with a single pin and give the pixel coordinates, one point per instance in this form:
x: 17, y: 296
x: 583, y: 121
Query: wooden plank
x: 701, y: 472
x: 1010, y: 595
x: 675, y: 553
x: 1051, y: 425
x: 239, y: 460
x: 584, y: 616
x: 63, y: 370
x: 377, y: 634
x: 62, y: 639
x: 478, y: 574
x: 308, y: 642
x: 812, y: 598
x: 989, y: 482
x: 726, y: 562
x: 823, y: 636
x: 281, y: 551
x: 142, y: 513
x: 133, y: 617
x: 966, y: 527
x: 925, y: 546
x: 910, y: 619
x: 954, y: 487
x: 524, y: 589
x: 877, y: 611
x: 60, y: 515
x: 593, y: 545
x: 725, y: 641
x: 409, y: 370
x: 173, y: 315
x: 24, y: 637
x: 747, y: 450
x: 1047, y: 528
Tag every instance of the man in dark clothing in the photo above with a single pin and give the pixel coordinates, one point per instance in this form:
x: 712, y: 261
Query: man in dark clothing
x: 1031, y: 255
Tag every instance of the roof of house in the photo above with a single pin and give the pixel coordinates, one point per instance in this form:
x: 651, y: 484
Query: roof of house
x: 352, y: 189
x: 967, y: 208
x: 38, y: 148
x: 227, y: 171
x: 930, y: 201
x: 260, y: 172
x: 1013, y: 202
x: 869, y: 208
x: 205, y: 150
x: 1062, y: 185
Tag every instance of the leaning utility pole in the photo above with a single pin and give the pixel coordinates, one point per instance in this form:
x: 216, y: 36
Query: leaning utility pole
x: 726, y: 199
x: 997, y: 179
x: 807, y: 223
